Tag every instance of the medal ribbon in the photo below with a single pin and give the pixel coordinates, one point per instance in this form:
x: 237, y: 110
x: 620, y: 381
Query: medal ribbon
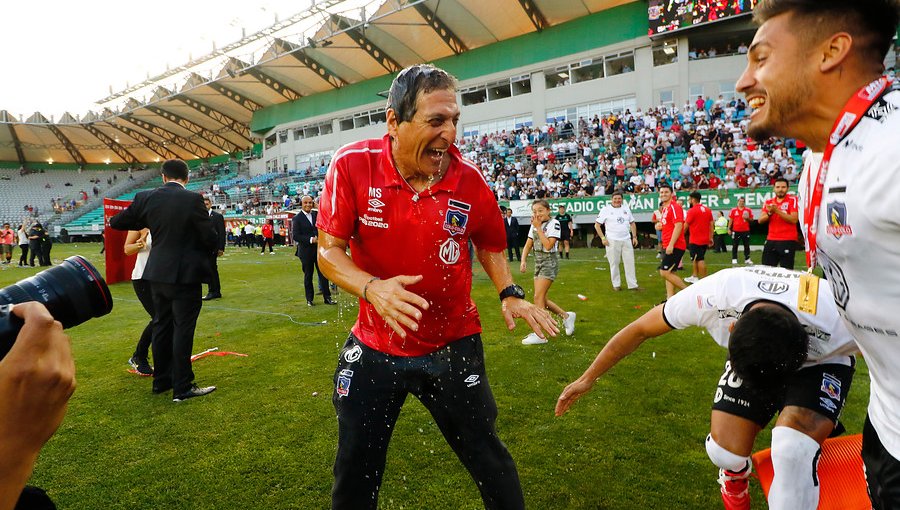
x: 850, y: 116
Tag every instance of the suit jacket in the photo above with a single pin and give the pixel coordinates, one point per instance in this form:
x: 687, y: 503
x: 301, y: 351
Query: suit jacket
x: 182, y: 231
x: 512, y: 229
x: 301, y: 231
x: 218, y: 223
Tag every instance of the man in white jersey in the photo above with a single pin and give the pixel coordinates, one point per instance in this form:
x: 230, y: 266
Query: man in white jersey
x: 620, y: 240
x: 814, y: 73
x: 780, y: 360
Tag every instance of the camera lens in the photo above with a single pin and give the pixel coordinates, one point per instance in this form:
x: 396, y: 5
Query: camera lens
x: 73, y: 292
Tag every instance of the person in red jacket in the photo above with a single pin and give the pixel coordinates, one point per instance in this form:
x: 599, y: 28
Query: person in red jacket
x: 781, y: 213
x: 739, y: 227
x: 268, y: 237
x: 699, y: 221
x: 671, y: 223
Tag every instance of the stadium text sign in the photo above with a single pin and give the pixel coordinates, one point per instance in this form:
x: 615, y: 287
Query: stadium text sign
x: 714, y: 199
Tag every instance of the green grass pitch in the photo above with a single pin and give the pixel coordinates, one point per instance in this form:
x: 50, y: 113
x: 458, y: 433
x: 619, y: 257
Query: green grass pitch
x: 266, y: 439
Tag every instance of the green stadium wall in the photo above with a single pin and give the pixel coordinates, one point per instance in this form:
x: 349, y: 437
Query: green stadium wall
x: 604, y: 28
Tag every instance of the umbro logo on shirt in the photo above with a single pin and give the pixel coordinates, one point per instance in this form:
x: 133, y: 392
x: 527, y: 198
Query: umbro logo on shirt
x: 375, y: 205
x: 472, y: 380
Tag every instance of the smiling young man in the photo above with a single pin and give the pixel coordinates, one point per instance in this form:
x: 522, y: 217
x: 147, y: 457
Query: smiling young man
x: 781, y: 213
x: 407, y: 206
x: 814, y: 72
x: 671, y: 224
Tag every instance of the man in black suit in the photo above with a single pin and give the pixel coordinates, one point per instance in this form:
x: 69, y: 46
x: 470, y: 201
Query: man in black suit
x: 512, y: 234
x: 183, y: 238
x: 306, y: 237
x: 218, y: 222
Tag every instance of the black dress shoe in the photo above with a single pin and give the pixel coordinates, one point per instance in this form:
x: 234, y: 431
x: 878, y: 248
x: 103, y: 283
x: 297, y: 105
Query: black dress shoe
x: 310, y: 303
x: 330, y: 301
x: 210, y: 297
x: 195, y: 391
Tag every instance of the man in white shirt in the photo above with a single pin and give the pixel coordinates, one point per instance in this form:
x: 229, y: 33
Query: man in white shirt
x: 620, y: 240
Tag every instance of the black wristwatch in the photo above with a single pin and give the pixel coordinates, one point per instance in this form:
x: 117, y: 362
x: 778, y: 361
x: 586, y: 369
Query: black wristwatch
x: 512, y: 291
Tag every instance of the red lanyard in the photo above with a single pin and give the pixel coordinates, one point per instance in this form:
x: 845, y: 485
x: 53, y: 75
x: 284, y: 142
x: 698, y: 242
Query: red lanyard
x: 850, y: 116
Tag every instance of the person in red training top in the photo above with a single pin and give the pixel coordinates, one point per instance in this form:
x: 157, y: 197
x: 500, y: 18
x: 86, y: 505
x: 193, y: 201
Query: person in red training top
x: 268, y: 237
x: 418, y: 331
x: 739, y: 227
x: 781, y: 213
x: 671, y: 223
x: 699, y: 221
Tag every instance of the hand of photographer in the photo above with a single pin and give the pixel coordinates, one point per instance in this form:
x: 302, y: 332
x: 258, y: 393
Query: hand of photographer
x: 37, y: 378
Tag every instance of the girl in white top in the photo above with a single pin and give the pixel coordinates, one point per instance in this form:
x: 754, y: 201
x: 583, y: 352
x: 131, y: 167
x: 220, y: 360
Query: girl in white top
x: 542, y: 239
x: 23, y: 245
x: 139, y: 242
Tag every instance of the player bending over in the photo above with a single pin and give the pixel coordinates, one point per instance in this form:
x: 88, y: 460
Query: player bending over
x: 780, y: 360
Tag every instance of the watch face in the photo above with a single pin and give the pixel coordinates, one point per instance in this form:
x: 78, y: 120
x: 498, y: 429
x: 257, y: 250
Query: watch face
x: 512, y: 291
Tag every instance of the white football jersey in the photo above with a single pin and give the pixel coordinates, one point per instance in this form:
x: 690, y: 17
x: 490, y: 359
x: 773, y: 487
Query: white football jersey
x: 858, y: 243
x: 552, y: 229
x: 717, y: 301
x: 617, y: 221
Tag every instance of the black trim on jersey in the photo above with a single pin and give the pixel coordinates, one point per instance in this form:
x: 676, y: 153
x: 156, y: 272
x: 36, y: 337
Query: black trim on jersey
x: 838, y: 189
x: 664, y: 316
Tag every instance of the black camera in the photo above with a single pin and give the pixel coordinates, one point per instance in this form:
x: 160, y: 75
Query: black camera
x: 73, y: 292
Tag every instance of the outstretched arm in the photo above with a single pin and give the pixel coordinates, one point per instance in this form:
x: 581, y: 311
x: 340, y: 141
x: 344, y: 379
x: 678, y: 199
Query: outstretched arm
x: 648, y: 326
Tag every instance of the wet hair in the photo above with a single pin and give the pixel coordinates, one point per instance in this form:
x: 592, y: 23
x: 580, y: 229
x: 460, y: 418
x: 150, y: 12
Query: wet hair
x: 782, y: 179
x: 175, y: 169
x: 663, y: 185
x: 695, y: 195
x: 767, y: 344
x: 415, y: 79
x: 871, y: 23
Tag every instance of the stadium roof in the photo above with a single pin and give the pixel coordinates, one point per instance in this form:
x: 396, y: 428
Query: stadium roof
x: 206, y: 111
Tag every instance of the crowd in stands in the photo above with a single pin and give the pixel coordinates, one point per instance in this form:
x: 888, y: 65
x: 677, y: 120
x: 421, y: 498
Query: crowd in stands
x: 702, y: 145
x: 716, y: 51
x: 264, y: 194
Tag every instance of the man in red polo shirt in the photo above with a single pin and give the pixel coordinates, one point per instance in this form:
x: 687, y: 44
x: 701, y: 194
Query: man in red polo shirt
x: 699, y: 221
x: 407, y: 206
x: 739, y: 228
x: 782, y: 214
x: 671, y: 223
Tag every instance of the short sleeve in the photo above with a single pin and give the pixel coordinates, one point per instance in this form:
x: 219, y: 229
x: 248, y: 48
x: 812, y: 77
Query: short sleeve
x: 337, y: 208
x: 692, y: 306
x: 553, y: 229
x: 490, y: 233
